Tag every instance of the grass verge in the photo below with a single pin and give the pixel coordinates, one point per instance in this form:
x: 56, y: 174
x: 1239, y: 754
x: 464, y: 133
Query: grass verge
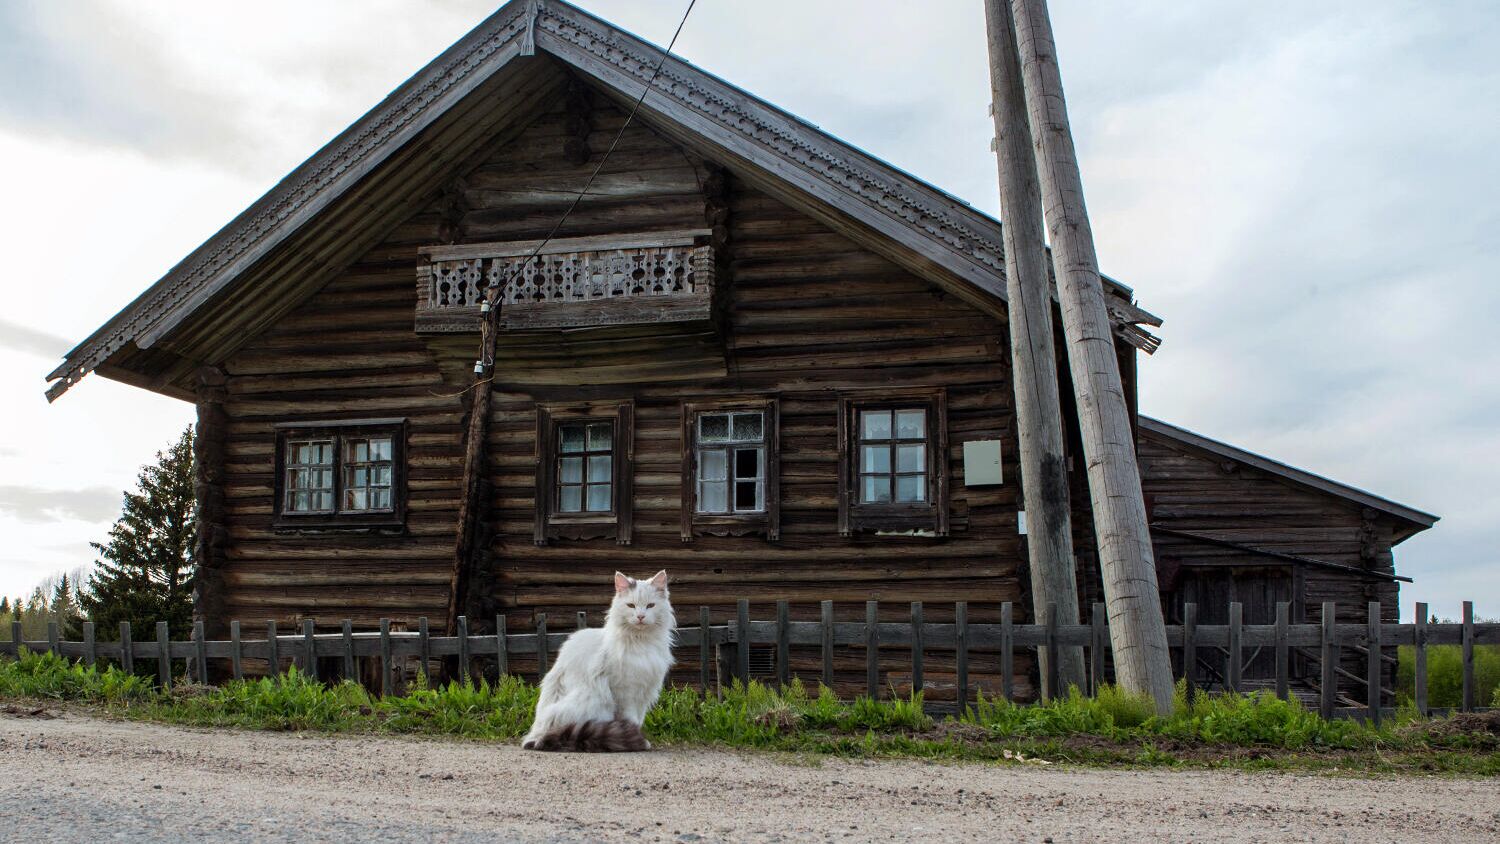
x: 1114, y: 728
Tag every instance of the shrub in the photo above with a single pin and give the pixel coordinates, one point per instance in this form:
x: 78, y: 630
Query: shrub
x: 1445, y: 677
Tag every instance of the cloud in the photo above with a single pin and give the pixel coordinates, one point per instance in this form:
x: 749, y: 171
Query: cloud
x: 31, y: 341
x: 37, y: 505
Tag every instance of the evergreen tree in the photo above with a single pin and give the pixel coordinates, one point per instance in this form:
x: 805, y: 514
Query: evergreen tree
x: 145, y: 571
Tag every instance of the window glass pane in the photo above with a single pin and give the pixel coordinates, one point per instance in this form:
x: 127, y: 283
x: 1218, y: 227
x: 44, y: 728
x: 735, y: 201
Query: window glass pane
x: 571, y: 470
x: 911, y: 424
x: 358, y: 476
x: 713, y: 497
x: 601, y: 436
x: 911, y: 488
x: 599, y: 469
x: 571, y: 500
x: 875, y: 458
x: 713, y: 465
x: 598, y: 497
x: 355, y: 499
x: 358, y: 450
x: 713, y: 427
x: 295, y: 479
x: 747, y: 496
x: 911, y: 458
x: 380, y: 449
x: 300, y: 501
x: 324, y: 453
x: 748, y: 427
x: 875, y: 424
x: 325, y: 500
x: 876, y: 489
x: 570, y: 437
x: 747, y: 463
x: 380, y: 499
x: 323, y: 478
x: 382, y: 475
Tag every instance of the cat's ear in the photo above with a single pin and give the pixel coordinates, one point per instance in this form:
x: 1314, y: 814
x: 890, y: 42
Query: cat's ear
x: 660, y: 580
x: 622, y: 584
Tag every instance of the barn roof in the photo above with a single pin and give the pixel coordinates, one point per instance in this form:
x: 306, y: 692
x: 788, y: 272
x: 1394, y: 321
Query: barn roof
x: 1414, y: 520
x: 342, y: 199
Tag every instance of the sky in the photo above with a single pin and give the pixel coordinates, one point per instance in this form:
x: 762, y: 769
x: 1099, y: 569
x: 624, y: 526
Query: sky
x: 1309, y: 194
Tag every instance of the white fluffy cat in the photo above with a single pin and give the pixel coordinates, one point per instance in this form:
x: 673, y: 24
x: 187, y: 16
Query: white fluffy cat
x: 605, y: 679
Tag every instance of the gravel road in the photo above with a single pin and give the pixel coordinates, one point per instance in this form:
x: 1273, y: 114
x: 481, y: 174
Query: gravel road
x: 73, y: 777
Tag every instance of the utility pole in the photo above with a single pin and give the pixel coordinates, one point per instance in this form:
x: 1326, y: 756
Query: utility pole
x: 1138, y: 635
x: 1049, y: 534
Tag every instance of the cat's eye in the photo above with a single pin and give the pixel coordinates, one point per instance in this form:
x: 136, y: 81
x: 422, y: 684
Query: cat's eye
x: 649, y: 606
x: 632, y: 606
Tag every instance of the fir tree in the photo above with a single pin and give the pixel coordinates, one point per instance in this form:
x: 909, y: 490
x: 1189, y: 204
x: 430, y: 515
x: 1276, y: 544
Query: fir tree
x: 145, y: 571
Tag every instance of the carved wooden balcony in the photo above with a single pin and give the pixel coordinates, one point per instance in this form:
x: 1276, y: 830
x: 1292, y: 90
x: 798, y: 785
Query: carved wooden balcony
x: 661, y: 277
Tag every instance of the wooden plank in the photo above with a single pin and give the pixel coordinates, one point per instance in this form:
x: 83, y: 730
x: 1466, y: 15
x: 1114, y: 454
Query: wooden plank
x: 54, y: 638
x: 273, y: 650
x: 1236, y: 667
x: 15, y: 636
x: 387, y: 670
x: 90, y: 649
x: 705, y: 648
x: 163, y: 655
x: 1468, y: 656
x: 825, y: 611
x: 1050, y: 690
x: 236, y: 654
x: 541, y: 646
x: 742, y: 642
x: 560, y: 245
x: 200, y: 652
x: 1283, y: 656
x: 961, y: 654
x: 346, y: 629
x: 783, y: 644
x: 1373, y: 667
x: 502, y: 652
x: 1329, y: 657
x: 424, y: 650
x: 583, y: 620
x: 462, y: 630
x: 1007, y: 653
x: 918, y: 683
x: 1190, y: 649
x: 127, y: 648
x: 872, y: 649
x: 1098, y: 623
x: 1419, y: 647
x: 309, y: 649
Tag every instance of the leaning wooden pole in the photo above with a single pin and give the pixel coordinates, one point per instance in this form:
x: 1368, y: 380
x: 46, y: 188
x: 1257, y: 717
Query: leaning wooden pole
x: 471, y: 505
x: 1137, y: 633
x: 1044, y: 478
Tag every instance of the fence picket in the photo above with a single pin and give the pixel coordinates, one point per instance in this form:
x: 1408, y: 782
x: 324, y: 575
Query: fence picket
x: 164, y: 655
x: 1097, y: 634
x: 1007, y: 653
x: 347, y: 628
x: 1373, y: 668
x: 15, y: 637
x: 1468, y: 656
x: 1050, y: 688
x: 387, y: 670
x: 872, y: 649
x: 1190, y: 650
x: 424, y: 650
x: 1419, y: 640
x: 705, y: 648
x: 236, y: 665
x: 127, y: 648
x: 1329, y: 657
x: 961, y: 655
x: 90, y: 649
x: 918, y: 679
x: 742, y: 636
x: 461, y: 626
x: 541, y: 645
x: 583, y: 620
x: 200, y: 652
x: 309, y: 648
x: 1283, y: 668
x: 502, y: 652
x: 1236, y: 667
x: 54, y: 639
x: 825, y: 611
x: 783, y: 644
x: 273, y: 650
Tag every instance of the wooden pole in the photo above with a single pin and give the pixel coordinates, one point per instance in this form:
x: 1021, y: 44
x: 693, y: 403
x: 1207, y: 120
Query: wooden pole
x: 1137, y: 631
x: 1044, y: 477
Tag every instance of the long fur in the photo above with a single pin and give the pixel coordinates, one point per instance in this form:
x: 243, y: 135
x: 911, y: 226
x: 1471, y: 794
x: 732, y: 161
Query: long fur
x: 610, y: 676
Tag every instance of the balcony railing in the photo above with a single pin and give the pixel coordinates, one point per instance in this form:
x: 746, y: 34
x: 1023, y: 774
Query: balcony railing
x: 574, y: 282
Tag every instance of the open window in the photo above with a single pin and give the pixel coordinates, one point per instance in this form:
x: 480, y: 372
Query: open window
x: 583, y: 487
x: 730, y: 468
x: 893, y: 463
x: 340, y: 474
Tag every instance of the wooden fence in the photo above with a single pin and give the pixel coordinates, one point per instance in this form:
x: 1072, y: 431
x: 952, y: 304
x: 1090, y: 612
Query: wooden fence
x: 720, y: 652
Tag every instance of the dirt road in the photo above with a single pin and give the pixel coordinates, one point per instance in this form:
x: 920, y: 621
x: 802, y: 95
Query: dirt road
x: 77, y: 778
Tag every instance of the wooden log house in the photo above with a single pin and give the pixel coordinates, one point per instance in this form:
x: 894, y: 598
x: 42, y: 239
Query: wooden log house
x: 752, y: 355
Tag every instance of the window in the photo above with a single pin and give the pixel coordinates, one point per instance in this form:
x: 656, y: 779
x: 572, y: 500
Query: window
x: 729, y: 468
x: 334, y: 474
x: 893, y: 462
x: 583, y: 471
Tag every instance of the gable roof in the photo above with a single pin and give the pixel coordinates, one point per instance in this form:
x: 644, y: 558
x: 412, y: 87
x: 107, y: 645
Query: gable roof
x: 1415, y: 520
x: 291, y: 232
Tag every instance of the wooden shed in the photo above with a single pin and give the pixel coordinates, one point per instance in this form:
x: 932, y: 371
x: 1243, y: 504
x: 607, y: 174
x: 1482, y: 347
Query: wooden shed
x: 752, y: 355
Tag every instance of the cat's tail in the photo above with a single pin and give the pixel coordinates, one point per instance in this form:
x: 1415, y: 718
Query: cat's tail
x: 617, y: 736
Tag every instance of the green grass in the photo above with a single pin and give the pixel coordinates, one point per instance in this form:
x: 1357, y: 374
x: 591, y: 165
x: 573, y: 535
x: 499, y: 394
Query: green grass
x: 1115, y: 728
x: 1445, y: 679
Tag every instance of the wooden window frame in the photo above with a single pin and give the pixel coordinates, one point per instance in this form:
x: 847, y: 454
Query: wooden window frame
x: 338, y: 519
x: 615, y: 524
x: 929, y: 516
x: 767, y: 522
